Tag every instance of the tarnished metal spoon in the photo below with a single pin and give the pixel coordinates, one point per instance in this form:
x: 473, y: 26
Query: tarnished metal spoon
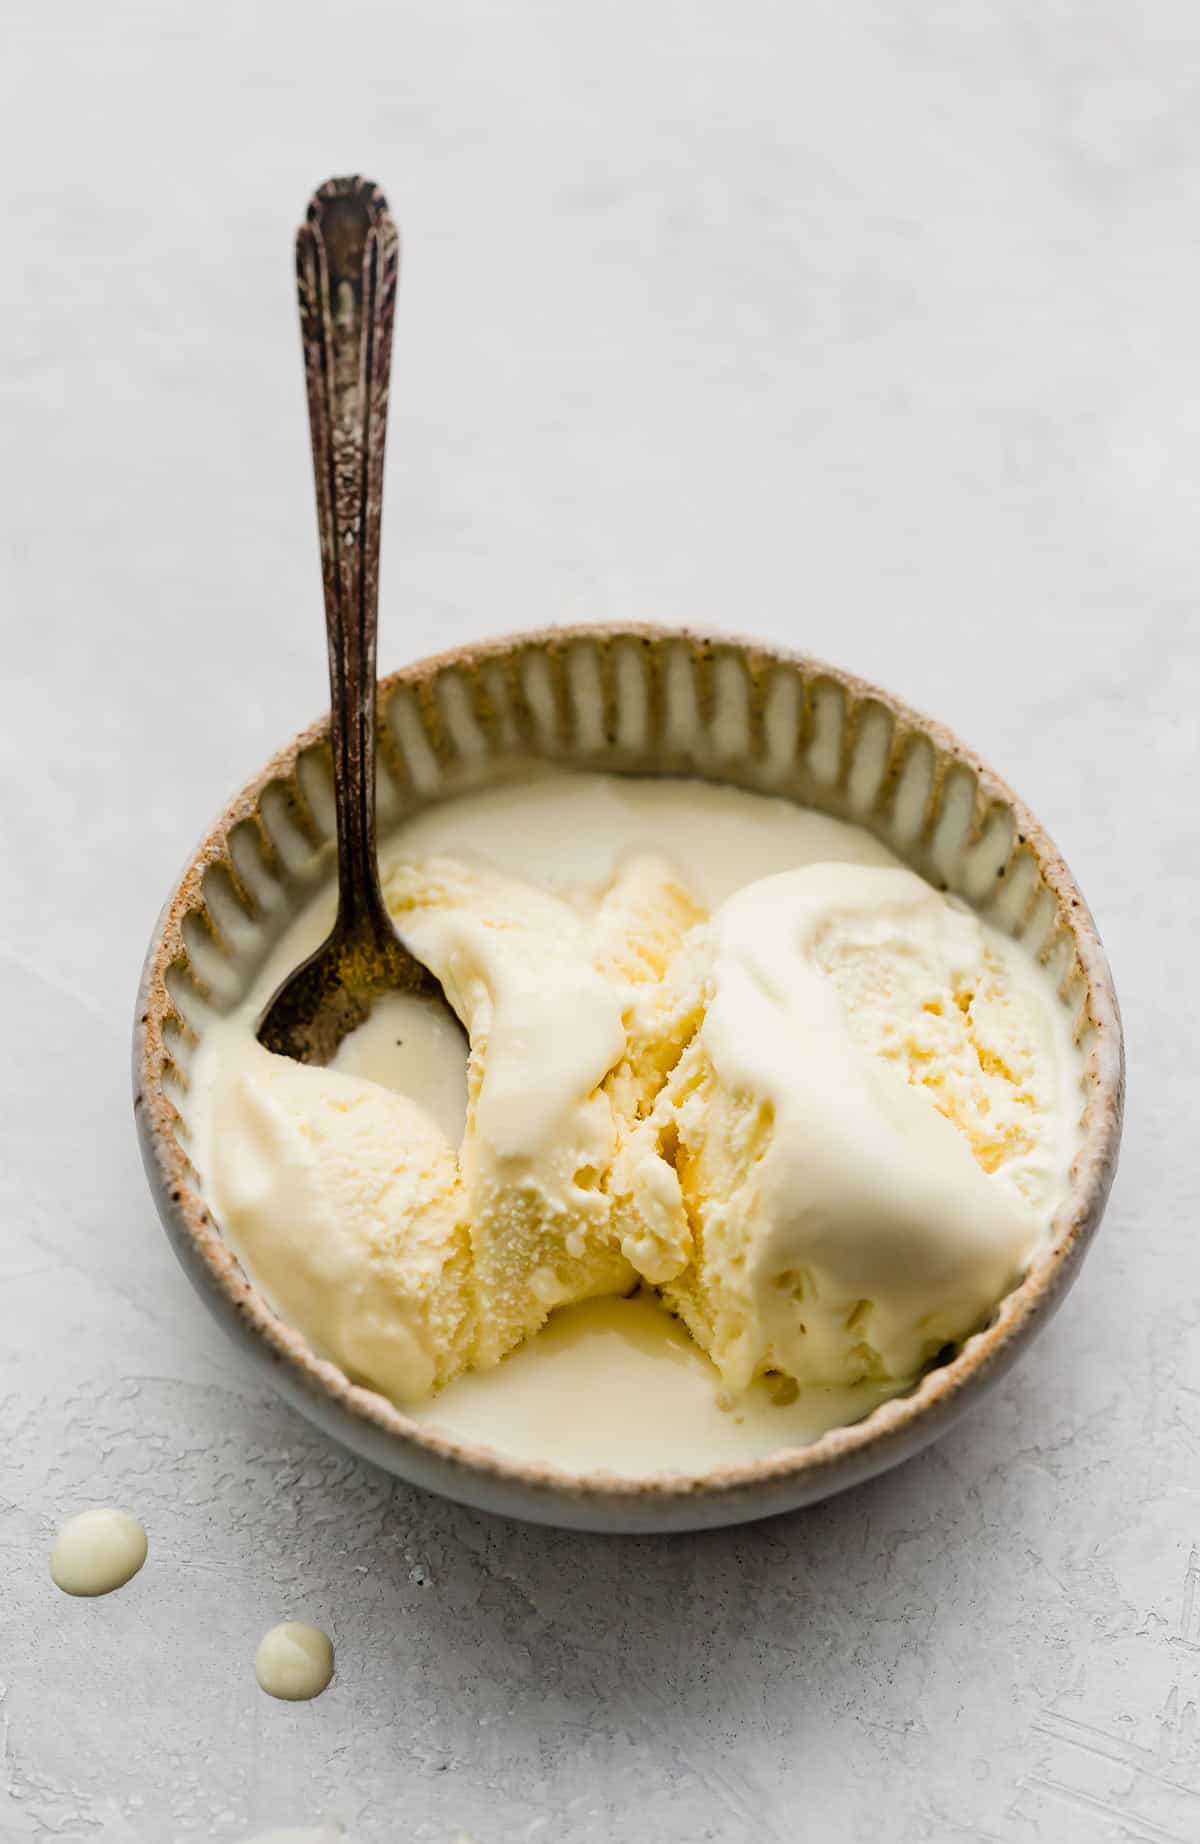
x: 347, y: 262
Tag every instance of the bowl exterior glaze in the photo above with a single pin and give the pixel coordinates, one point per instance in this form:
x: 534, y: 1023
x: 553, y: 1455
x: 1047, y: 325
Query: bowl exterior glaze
x: 627, y: 701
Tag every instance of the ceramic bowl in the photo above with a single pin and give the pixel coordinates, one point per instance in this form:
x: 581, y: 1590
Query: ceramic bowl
x: 629, y: 701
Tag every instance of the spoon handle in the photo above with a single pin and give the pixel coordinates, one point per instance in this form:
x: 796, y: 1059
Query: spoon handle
x: 347, y: 262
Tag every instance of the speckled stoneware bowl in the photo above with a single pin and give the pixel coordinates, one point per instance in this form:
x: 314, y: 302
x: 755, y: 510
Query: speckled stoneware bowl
x: 631, y: 701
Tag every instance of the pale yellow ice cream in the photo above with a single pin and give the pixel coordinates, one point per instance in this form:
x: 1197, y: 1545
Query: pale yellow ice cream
x: 858, y: 1143
x: 347, y: 1203
x: 828, y: 1121
x: 408, y: 1261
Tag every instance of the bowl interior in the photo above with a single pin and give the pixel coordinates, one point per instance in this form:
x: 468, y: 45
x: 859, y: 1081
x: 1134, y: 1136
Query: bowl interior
x: 628, y: 701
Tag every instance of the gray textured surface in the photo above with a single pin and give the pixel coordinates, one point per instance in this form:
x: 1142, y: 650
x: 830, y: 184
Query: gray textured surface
x: 874, y: 328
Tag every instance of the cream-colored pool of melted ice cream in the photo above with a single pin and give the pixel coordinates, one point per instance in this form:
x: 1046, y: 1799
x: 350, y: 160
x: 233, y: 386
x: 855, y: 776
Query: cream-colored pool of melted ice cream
x: 722, y: 1048
x: 294, y: 1661
x: 97, y: 1551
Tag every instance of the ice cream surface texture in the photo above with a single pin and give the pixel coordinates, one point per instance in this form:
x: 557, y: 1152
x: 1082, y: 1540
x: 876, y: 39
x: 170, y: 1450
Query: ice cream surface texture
x: 843, y: 1153
x: 718, y: 1047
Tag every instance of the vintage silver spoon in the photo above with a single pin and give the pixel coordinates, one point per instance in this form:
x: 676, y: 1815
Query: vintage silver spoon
x: 347, y: 262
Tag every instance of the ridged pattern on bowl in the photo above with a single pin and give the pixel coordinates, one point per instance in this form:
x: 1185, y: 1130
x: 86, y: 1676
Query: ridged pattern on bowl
x: 632, y: 701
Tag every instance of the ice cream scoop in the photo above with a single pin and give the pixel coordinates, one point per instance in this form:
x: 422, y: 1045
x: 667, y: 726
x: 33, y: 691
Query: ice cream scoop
x: 405, y: 1258
x: 861, y: 1134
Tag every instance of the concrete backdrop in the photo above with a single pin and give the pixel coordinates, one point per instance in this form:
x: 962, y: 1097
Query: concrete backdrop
x: 869, y: 328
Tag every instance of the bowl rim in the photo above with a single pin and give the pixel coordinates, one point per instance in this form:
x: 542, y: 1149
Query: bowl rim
x: 370, y: 1422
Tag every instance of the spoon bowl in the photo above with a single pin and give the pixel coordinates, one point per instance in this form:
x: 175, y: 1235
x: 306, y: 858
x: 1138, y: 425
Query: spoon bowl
x: 334, y: 990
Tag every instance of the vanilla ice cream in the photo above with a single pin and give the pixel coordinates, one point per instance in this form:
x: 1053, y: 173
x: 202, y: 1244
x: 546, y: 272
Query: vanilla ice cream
x: 718, y: 1048
x: 347, y: 1204
x: 406, y: 1259
x: 860, y: 1138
